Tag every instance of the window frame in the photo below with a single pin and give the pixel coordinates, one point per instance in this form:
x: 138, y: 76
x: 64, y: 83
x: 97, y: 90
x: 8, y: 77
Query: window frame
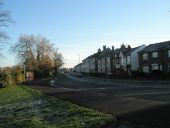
x: 169, y: 53
x: 145, y: 56
x: 168, y: 67
x: 155, y: 65
x: 145, y: 68
x: 153, y: 55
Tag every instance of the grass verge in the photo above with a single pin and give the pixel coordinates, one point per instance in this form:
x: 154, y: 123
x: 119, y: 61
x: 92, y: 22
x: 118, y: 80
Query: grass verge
x: 22, y: 107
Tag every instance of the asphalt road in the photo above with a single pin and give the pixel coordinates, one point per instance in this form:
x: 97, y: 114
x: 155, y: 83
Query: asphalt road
x: 139, y: 101
x: 152, y: 91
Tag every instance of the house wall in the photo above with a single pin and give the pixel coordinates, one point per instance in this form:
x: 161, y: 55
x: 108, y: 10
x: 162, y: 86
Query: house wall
x: 103, y: 65
x: 92, y: 65
x: 87, y: 65
x: 134, y: 58
x: 162, y: 61
x: 122, y: 60
x: 83, y: 67
x: 108, y: 65
x: 99, y: 66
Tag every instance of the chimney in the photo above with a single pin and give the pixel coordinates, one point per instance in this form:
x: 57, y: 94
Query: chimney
x: 123, y: 46
x: 112, y: 48
x: 104, y: 47
x: 129, y: 48
x: 99, y: 50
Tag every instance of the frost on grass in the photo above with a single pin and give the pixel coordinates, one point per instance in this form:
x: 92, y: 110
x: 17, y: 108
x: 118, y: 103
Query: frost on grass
x: 30, y: 109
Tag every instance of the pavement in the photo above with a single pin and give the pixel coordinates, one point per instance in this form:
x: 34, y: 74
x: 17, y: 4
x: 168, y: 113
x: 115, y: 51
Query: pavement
x: 144, y: 102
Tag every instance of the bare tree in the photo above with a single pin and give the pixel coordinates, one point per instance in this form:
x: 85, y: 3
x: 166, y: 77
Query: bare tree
x: 58, y: 60
x: 5, y: 20
x: 31, y: 49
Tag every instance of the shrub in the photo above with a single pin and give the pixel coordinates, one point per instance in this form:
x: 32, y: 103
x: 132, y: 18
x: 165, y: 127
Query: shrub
x: 11, y: 76
x: 17, y: 76
x: 7, y: 79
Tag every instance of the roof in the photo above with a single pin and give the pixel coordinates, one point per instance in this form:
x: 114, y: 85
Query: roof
x: 156, y: 47
x: 94, y: 55
x: 124, y: 51
x: 78, y: 65
x: 106, y: 52
x: 133, y: 49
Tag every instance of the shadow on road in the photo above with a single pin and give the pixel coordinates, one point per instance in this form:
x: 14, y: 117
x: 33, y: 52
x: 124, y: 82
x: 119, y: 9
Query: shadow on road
x: 155, y: 116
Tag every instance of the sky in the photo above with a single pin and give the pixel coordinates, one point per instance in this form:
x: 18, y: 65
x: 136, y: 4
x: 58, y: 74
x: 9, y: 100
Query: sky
x: 79, y: 27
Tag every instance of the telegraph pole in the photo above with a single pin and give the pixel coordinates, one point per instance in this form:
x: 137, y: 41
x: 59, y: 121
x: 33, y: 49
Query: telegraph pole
x: 79, y: 58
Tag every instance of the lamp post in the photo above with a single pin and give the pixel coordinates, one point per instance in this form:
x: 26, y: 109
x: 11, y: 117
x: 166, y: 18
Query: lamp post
x: 79, y: 58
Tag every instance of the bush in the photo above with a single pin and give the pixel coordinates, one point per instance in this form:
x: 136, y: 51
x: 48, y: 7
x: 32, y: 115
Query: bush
x: 17, y: 76
x: 11, y: 76
x: 6, y: 79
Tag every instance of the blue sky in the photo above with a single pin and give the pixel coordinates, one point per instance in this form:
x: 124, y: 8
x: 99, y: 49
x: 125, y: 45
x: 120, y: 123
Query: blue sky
x: 80, y: 27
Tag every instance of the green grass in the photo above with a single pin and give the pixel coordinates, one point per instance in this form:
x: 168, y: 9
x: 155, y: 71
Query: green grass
x: 21, y: 107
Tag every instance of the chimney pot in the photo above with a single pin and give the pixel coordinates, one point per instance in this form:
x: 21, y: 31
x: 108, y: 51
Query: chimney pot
x: 129, y: 47
x: 104, y: 47
x: 99, y: 50
x: 112, y: 48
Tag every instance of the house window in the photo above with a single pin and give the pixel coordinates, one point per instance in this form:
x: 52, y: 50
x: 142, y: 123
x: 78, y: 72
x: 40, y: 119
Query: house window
x: 154, y: 54
x: 108, y: 60
x: 146, y: 69
x: 169, y: 53
x: 169, y: 67
x: 155, y: 67
x: 160, y: 67
x: 103, y: 61
x: 145, y: 56
x: 118, y: 61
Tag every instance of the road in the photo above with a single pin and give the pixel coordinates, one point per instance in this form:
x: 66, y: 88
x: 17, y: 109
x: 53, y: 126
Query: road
x: 141, y: 101
x: 157, y: 92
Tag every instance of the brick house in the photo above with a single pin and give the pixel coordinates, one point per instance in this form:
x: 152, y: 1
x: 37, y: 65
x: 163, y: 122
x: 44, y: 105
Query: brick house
x: 155, y: 57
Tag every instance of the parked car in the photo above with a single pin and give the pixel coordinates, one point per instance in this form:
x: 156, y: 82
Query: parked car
x: 77, y: 74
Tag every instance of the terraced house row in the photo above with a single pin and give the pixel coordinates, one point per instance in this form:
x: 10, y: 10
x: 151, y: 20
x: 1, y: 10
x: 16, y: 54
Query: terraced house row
x: 126, y: 61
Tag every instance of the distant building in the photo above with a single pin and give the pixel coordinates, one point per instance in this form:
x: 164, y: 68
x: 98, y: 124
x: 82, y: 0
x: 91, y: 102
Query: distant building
x: 78, y: 68
x: 120, y: 64
x: 155, y: 57
x: 133, y: 59
x: 93, y: 63
x: 104, y: 61
x: 29, y: 75
x: 126, y: 61
x: 86, y: 65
